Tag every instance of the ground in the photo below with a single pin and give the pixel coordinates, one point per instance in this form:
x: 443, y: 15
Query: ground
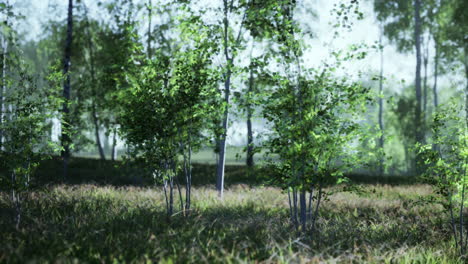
x: 88, y: 223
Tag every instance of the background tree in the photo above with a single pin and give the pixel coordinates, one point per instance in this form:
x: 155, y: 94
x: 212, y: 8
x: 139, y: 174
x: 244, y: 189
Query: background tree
x: 381, y: 103
x: 405, y: 26
x: 5, y: 11
x: 66, y: 91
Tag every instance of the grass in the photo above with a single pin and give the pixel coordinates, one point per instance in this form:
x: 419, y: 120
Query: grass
x: 90, y: 224
x: 86, y: 170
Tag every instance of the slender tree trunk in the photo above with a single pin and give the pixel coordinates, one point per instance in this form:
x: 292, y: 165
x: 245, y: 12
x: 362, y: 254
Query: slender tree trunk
x: 174, y: 170
x: 222, y: 141
x: 295, y: 207
x: 425, y: 86
x: 462, y: 222
x: 409, y: 164
x: 166, y: 197
x: 434, y: 88
x: 189, y: 200
x: 188, y: 173
x: 466, y: 79
x: 66, y: 140
x: 311, y: 200
x: 150, y: 16
x: 290, y: 205
x: 250, y: 150
x: 4, y: 84
x: 96, y: 131
x: 4, y: 76
x: 436, y: 74
x: 93, y: 84
x: 466, y: 85
x: 317, y: 206
x: 171, y: 196
x: 418, y: 122
x: 381, y: 125
x: 16, y: 201
x: 227, y: 86
x: 114, y: 145
x: 303, y: 210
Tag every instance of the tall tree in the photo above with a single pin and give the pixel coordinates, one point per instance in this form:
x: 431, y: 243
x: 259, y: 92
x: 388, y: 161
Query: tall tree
x: 229, y: 55
x: 4, y: 42
x: 417, y: 84
x: 260, y: 19
x: 381, y: 122
x: 458, y: 34
x: 94, y: 83
x: 149, y: 7
x: 66, y: 91
x: 404, y: 25
x: 418, y: 121
x: 250, y: 90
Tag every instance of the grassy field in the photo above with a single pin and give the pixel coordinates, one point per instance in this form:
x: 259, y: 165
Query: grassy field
x: 94, y: 224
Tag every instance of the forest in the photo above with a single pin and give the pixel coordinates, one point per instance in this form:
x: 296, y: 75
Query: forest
x: 234, y: 131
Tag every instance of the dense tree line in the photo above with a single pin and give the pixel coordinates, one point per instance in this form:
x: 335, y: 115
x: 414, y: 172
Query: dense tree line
x: 166, y: 77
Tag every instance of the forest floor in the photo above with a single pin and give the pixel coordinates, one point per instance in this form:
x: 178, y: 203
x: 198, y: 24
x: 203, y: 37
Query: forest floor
x: 95, y: 224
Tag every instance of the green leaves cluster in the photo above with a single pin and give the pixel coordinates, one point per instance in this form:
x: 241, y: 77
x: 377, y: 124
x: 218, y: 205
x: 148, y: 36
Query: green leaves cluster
x: 312, y: 125
x: 446, y: 161
x: 168, y: 104
x: 25, y: 126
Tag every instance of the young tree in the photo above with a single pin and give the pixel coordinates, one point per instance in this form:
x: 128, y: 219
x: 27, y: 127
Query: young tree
x: 24, y: 123
x: 447, y: 167
x: 231, y: 44
x: 381, y: 102
x: 310, y: 135
x: 237, y: 19
x: 310, y: 113
x: 166, y: 105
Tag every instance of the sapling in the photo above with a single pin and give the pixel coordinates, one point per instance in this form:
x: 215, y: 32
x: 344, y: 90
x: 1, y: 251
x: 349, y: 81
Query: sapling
x: 446, y: 167
x: 25, y: 114
x: 312, y: 114
x: 25, y: 129
x: 165, y: 108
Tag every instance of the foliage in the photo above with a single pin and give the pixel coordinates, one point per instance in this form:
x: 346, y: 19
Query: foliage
x: 25, y: 127
x: 447, y: 163
x: 398, y: 18
x: 312, y: 130
x: 173, y: 97
x: 25, y: 112
x: 312, y: 115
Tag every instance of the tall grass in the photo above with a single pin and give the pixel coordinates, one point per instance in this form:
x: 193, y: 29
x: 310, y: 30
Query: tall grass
x: 87, y: 223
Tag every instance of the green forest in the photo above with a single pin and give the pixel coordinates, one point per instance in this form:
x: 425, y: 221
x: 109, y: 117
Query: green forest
x: 233, y: 131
